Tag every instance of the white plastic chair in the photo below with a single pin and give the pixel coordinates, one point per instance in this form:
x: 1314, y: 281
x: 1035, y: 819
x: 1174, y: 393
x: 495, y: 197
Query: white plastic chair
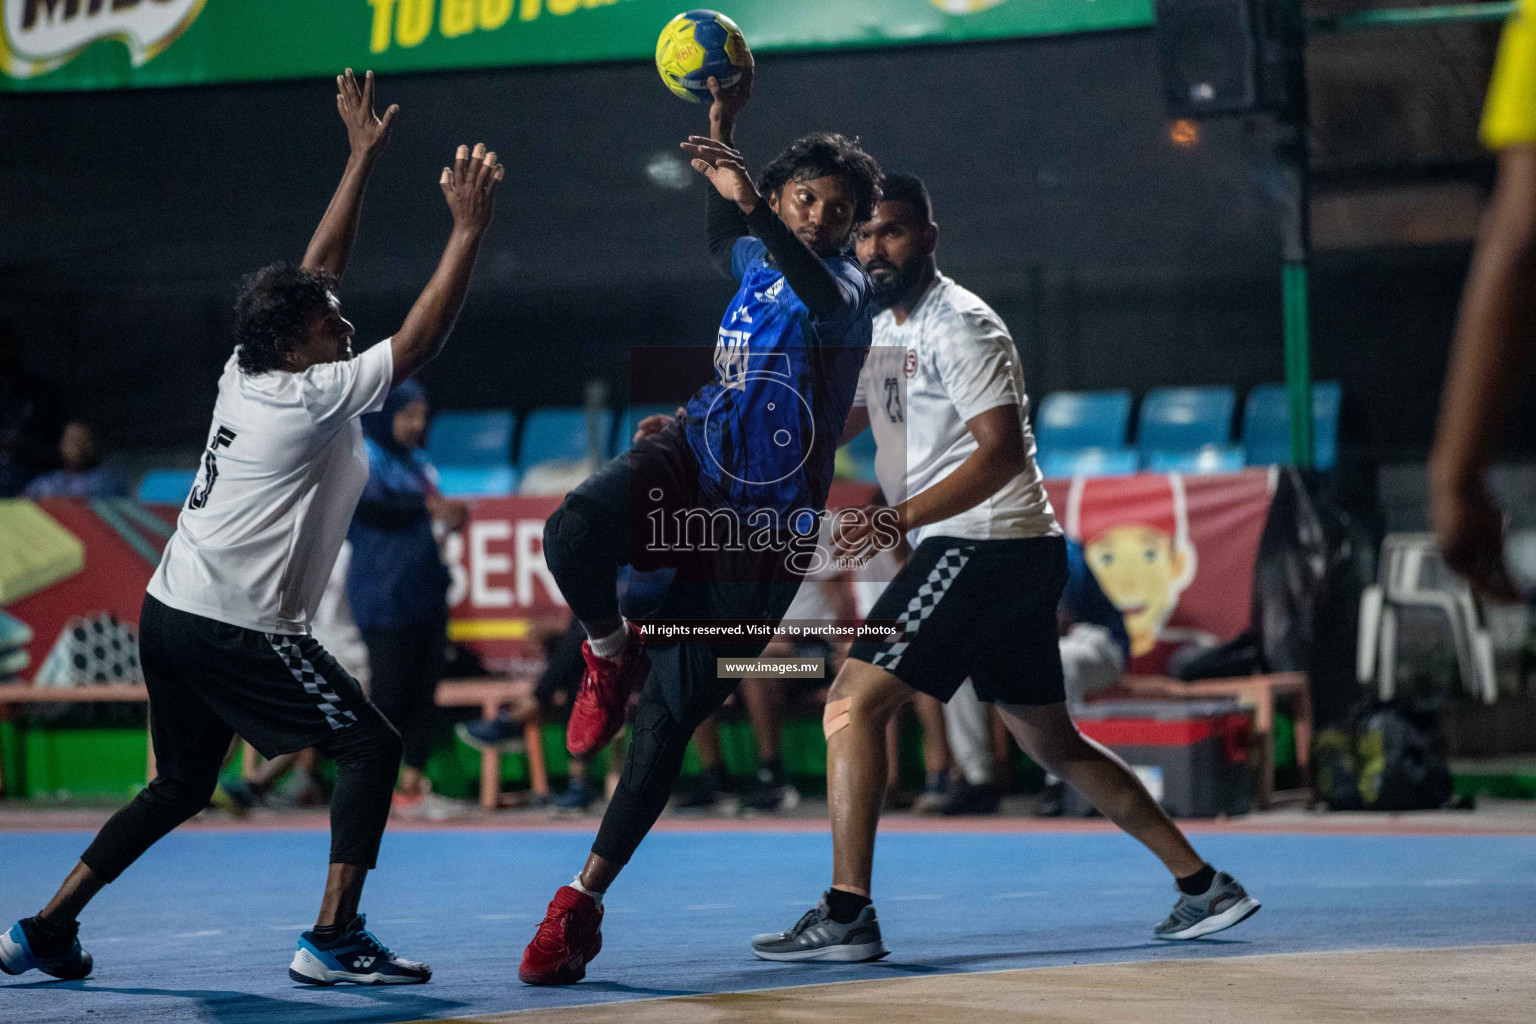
x: 1412, y: 575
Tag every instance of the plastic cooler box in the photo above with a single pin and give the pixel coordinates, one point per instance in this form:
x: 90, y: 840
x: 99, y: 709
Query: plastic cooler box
x: 1191, y: 755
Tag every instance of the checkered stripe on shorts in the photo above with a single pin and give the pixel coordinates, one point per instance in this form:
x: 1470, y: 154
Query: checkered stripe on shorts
x: 922, y: 605
x: 312, y: 681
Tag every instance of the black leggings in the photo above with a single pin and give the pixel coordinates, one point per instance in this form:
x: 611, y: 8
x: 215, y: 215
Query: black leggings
x: 406, y: 665
x: 603, y: 524
x: 190, y: 745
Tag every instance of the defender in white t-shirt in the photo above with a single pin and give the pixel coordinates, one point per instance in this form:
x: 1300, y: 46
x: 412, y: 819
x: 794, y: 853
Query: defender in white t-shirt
x: 943, y: 392
x: 224, y: 634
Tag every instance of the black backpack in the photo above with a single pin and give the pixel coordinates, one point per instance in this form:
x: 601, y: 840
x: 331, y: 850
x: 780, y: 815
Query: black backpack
x: 1390, y: 758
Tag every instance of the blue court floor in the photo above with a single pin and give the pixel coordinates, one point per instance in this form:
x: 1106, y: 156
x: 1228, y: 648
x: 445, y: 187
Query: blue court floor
x: 201, y: 929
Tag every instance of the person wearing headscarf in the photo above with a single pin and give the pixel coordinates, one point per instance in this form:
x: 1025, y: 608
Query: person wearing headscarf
x: 398, y: 585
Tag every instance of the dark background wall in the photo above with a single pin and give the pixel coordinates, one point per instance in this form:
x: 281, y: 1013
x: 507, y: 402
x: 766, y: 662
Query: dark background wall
x: 1118, y: 258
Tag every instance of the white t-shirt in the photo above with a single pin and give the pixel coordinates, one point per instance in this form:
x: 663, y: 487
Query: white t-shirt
x: 284, y: 467
x: 951, y: 361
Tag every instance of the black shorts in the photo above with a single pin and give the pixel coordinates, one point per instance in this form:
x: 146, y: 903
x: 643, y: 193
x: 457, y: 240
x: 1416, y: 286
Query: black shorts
x: 279, y: 693
x: 978, y: 609
x: 716, y: 580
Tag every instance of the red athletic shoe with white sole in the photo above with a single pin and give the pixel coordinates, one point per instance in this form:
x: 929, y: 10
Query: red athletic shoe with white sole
x: 598, y: 712
x: 569, y: 938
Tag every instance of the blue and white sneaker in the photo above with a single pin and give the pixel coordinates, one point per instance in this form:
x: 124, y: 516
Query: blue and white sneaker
x: 21, y: 949
x: 357, y: 957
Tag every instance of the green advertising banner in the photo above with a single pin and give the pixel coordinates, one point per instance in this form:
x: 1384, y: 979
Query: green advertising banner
x: 112, y: 44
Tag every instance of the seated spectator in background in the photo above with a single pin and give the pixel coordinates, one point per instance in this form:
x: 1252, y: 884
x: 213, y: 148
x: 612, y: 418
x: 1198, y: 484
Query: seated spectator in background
x: 551, y: 696
x: 30, y: 420
x: 1094, y: 649
x: 548, y: 698
x: 81, y: 473
x: 398, y: 586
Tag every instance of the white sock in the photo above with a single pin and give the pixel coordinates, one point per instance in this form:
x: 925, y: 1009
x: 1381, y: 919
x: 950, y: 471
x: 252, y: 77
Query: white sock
x: 612, y: 645
x: 596, y: 896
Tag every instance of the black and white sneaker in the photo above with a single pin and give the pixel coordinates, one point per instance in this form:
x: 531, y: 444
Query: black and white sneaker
x: 817, y: 937
x: 1223, y: 905
x: 357, y: 957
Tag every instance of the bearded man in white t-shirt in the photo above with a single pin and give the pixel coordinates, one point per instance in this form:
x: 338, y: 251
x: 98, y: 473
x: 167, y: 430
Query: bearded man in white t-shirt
x: 224, y: 635
x: 943, y: 392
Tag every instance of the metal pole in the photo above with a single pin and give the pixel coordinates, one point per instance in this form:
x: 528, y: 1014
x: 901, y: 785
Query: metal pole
x: 1295, y: 238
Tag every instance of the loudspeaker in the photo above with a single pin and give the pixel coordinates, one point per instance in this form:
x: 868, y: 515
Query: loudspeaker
x: 1229, y: 56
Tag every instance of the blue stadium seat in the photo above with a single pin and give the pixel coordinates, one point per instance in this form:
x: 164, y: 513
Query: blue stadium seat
x: 1213, y: 458
x: 559, y: 434
x: 1184, y: 419
x: 476, y: 481
x: 472, y: 438
x: 632, y: 417
x: 858, y: 457
x: 1071, y: 420
x: 1267, y: 424
x: 1088, y: 462
x: 167, y: 486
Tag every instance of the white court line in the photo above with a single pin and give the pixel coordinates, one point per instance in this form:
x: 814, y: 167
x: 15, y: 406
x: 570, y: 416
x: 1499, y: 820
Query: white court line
x: 1451, y: 881
x: 1124, y: 892
x: 198, y: 935
x: 501, y: 917
x: 910, y: 899
x: 399, y: 920
x: 288, y: 927
x: 1019, y: 895
x: 711, y: 906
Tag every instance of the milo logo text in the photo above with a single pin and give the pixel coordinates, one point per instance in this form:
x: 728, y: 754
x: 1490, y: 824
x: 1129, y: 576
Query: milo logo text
x: 40, y: 35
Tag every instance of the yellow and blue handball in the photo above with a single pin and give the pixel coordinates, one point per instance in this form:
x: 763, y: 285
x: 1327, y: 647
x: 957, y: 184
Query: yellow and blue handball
x: 697, y: 46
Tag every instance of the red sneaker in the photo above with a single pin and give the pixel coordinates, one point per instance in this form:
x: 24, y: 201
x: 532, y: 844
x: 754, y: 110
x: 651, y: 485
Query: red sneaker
x: 598, y: 712
x: 569, y: 938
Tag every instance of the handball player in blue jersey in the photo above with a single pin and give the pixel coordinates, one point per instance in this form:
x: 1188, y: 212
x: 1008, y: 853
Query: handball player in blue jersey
x: 728, y: 494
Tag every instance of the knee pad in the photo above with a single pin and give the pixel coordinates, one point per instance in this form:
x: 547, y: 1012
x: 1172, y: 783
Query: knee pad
x: 571, y: 523
x: 835, y: 717
x: 656, y: 749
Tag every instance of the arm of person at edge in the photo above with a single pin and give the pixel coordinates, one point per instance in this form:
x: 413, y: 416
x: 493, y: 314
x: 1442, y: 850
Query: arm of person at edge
x: 998, y: 458
x: 368, y: 134
x: 469, y: 186
x: 823, y: 294
x: 1492, y: 360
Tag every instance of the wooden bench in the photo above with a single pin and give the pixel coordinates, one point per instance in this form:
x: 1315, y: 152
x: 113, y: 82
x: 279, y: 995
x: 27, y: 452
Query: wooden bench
x: 486, y: 694
x: 1259, y: 693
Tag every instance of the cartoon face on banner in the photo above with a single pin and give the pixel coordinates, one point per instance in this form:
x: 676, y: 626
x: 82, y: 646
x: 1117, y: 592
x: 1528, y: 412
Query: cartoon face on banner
x: 1175, y: 554
x: 1138, y: 547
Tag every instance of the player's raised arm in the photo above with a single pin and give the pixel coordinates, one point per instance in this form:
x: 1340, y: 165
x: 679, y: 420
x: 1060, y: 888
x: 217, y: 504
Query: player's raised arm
x: 368, y: 134
x: 470, y: 188
x: 810, y: 278
x: 724, y: 220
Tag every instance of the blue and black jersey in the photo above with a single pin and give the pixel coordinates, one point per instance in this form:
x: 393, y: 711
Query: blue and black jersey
x: 766, y: 431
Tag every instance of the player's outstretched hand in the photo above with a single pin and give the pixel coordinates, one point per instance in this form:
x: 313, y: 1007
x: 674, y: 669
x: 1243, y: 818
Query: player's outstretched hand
x: 366, y: 131
x: 725, y: 168
x: 859, y: 533
x: 655, y: 425
x: 470, y: 186
x: 728, y: 102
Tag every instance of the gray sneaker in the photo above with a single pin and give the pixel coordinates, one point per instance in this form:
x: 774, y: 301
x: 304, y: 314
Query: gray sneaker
x: 1221, y: 906
x: 817, y: 937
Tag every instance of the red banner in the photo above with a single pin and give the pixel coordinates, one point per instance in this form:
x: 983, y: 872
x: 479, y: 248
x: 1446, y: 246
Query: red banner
x: 1174, y: 553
